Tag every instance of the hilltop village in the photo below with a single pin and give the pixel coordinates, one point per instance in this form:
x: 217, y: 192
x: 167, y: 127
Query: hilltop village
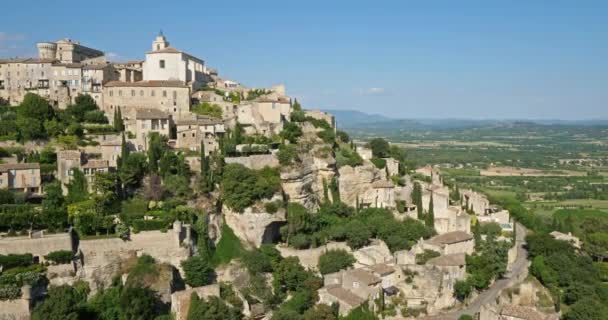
x: 157, y: 189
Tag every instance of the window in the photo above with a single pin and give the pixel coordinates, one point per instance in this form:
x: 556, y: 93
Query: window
x: 183, y: 135
x: 192, y: 134
x: 141, y: 93
x: 174, y: 94
x: 120, y: 93
x: 151, y: 93
x: 164, y: 93
x: 161, y: 64
x: 132, y: 93
x: 111, y: 93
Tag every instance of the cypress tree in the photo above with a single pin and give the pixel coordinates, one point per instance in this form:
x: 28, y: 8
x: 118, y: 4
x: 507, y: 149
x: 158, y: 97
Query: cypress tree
x: 325, y: 191
x: 118, y: 122
x: 430, y: 216
x: 477, y: 235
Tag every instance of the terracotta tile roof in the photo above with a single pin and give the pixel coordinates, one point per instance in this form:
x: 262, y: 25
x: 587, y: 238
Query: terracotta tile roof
x: 96, y: 164
x: 450, y: 238
x: 382, y: 269
x: 147, y: 114
x: 363, y: 276
x: 521, y: 312
x: 19, y: 166
x: 456, y: 259
x: 27, y: 60
x: 345, y: 296
x: 151, y: 83
x: 200, y: 120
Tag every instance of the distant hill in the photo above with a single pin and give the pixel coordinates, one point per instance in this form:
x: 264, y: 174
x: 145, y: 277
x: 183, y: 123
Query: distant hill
x: 353, y: 118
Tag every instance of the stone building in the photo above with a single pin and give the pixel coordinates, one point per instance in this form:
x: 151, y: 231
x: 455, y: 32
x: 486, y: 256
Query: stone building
x: 350, y: 288
x: 172, y: 97
x: 62, y: 71
x: 449, y: 243
x: 474, y: 201
x: 169, y: 64
x: 67, y: 51
x: 575, y: 241
x: 199, y: 129
x: 68, y: 160
x: 322, y: 115
x: 263, y: 115
x: 21, y: 177
x: 145, y: 122
x: 130, y: 71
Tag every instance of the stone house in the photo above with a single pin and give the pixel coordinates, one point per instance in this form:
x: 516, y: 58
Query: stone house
x: 110, y: 151
x: 350, y: 288
x: 167, y: 63
x: 392, y: 167
x: 170, y: 96
x: 199, y: 129
x: 263, y: 115
x: 130, y: 71
x: 453, y: 267
x: 452, y: 219
x: 322, y: 115
x: 474, y: 201
x: 67, y: 161
x: 21, y: 177
x: 449, y: 243
x: 382, y: 195
x: 145, y: 122
x: 365, y: 153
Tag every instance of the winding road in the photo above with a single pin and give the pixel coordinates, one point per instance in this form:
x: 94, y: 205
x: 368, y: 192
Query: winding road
x: 513, y: 275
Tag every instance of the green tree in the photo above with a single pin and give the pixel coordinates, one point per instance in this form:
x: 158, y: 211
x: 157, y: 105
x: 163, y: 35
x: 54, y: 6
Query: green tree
x: 291, y: 132
x: 6, y: 197
x: 132, y: 170
x: 320, y: 312
x: 157, y: 146
x: 77, y: 187
x: 335, y: 260
x: 31, y: 115
x: 118, y: 122
x: 54, y: 212
x: 380, y: 148
x: 417, y: 200
x: 211, y: 309
x: 62, y: 303
x: 429, y: 219
x: 208, y: 109
x: 197, y: 270
x: 462, y: 289
x: 357, y: 234
x: 138, y: 303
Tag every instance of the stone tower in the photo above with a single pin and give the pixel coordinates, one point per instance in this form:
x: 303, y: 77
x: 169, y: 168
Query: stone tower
x: 47, y: 50
x: 160, y: 42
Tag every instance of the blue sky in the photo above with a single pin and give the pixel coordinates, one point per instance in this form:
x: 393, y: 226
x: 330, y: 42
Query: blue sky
x: 423, y: 59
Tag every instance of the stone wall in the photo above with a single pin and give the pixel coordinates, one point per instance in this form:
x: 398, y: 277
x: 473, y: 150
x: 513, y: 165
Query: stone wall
x: 102, y: 258
x: 180, y: 301
x: 309, y: 258
x: 36, y: 246
x: 257, y: 161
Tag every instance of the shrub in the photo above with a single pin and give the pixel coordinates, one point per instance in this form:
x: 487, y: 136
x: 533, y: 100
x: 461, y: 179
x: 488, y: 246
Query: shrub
x: 327, y: 135
x: 422, y: 258
x: 197, y: 271
x: 347, y: 157
x: 205, y: 108
x: 335, y: 260
x: 357, y: 234
x: 60, y: 256
x: 16, y: 260
x: 378, y: 162
x: 146, y: 225
x: 287, y: 154
x: 271, y: 207
x: 242, y: 186
x: 299, y: 241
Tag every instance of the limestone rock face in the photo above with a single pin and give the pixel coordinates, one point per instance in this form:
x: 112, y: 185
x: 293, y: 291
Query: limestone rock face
x: 254, y: 226
x: 357, y: 182
x: 303, y: 183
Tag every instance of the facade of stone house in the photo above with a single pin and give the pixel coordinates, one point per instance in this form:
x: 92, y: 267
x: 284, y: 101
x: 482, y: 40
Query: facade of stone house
x: 199, y: 129
x: 172, y: 97
x: 167, y: 63
x: 449, y: 243
x: 21, y: 177
x: 146, y: 122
